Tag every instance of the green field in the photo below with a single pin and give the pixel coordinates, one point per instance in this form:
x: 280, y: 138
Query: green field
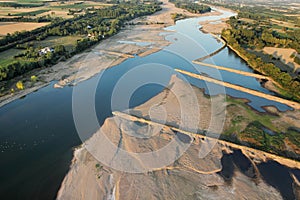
x: 258, y: 130
x: 20, y: 5
x: 36, y: 8
x: 68, y: 41
x: 30, y: 1
x: 76, y: 6
x: 7, y: 56
x: 32, y: 13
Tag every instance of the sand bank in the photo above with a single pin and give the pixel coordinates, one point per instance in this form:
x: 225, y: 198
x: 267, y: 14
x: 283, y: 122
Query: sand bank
x: 233, y: 70
x: 292, y: 104
x: 190, y: 175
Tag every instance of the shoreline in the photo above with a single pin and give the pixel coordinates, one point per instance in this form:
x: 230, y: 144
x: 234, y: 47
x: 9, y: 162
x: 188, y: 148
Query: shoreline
x: 270, y: 84
x: 74, y: 74
x: 60, y: 83
x: 85, y: 178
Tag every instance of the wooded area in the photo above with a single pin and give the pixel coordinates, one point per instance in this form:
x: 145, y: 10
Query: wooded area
x: 191, y: 7
x: 245, y: 35
x: 93, y: 26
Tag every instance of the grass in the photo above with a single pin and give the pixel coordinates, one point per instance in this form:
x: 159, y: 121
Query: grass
x: 255, y: 134
x: 31, y: 13
x: 39, y: 8
x: 264, y: 119
x: 68, y: 41
x: 259, y: 131
x: 78, y: 6
x: 30, y: 1
x: 22, y: 4
x: 7, y: 56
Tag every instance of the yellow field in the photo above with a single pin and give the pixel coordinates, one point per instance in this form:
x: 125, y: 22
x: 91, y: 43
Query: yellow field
x: 56, y: 13
x: 282, y: 23
x: 11, y: 27
x: 5, y: 10
x: 284, y: 55
x: 57, y: 9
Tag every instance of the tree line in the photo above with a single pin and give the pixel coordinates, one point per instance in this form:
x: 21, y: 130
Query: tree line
x: 292, y: 86
x: 259, y: 34
x: 20, y: 5
x: 191, y: 7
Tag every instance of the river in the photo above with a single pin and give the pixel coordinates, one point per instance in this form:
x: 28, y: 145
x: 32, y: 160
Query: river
x: 38, y: 133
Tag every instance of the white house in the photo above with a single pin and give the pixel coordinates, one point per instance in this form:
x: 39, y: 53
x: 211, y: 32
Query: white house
x: 45, y: 50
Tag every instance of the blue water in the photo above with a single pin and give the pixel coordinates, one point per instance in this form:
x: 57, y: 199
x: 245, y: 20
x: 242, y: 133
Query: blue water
x: 38, y: 132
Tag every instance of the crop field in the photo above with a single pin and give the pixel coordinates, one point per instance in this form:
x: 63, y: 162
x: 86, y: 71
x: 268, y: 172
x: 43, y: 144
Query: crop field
x: 34, y: 12
x: 20, y: 5
x: 36, y: 8
x: 11, y: 27
x: 31, y: 13
x: 77, y: 5
x: 284, y: 55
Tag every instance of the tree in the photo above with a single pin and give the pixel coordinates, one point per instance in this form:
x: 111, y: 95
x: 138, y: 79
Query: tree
x: 20, y: 85
x: 33, y: 78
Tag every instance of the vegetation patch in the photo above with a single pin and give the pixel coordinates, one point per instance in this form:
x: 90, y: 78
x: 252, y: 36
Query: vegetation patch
x: 246, y: 36
x: 20, y: 5
x: 191, y: 7
x: 45, y: 46
x: 32, y: 13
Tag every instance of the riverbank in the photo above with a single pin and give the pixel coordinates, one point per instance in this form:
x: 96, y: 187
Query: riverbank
x: 90, y: 178
x: 110, y: 51
x: 215, y: 26
x: 270, y: 84
x: 85, y: 65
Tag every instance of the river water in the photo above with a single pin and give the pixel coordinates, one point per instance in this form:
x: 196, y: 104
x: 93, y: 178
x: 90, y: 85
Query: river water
x: 38, y: 134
